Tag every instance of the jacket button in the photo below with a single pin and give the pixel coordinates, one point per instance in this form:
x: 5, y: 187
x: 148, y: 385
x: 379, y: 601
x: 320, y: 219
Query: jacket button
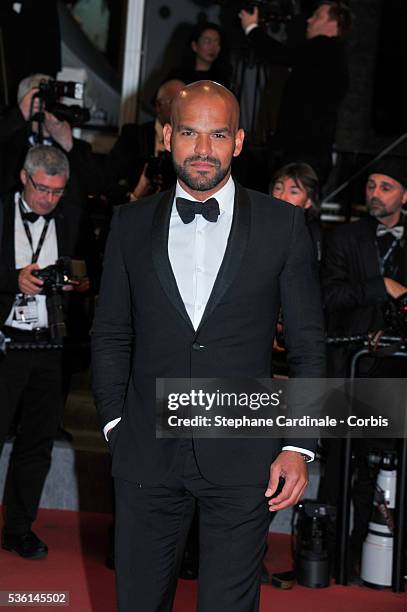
x: 197, y: 347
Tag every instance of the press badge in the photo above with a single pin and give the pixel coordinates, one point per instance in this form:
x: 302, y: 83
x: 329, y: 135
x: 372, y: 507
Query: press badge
x: 26, y: 309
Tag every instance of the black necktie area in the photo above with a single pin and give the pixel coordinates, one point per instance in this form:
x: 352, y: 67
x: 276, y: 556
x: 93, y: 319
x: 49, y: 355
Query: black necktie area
x: 187, y: 209
x: 32, y: 216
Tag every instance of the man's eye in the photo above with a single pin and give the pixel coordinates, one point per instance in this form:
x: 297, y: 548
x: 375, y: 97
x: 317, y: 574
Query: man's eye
x: 219, y: 135
x: 187, y: 132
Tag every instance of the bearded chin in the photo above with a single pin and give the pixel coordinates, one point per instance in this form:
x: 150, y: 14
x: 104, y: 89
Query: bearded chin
x: 200, y: 182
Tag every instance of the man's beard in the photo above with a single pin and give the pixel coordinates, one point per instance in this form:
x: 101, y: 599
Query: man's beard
x: 379, y: 212
x: 202, y: 182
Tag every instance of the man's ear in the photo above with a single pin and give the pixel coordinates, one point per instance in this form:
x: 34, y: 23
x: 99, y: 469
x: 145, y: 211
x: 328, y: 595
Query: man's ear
x: 404, y: 197
x: 23, y: 177
x: 167, y: 131
x: 193, y: 46
x: 307, y: 204
x: 239, y: 138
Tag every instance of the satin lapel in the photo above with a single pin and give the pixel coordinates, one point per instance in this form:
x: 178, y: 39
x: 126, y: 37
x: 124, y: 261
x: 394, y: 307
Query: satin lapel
x: 368, y: 250
x: 161, y: 260
x: 63, y: 230
x: 8, y: 238
x: 235, y: 250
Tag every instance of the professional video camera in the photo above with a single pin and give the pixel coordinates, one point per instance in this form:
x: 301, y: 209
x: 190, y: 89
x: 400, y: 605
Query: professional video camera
x: 49, y: 94
x: 56, y: 276
x: 269, y: 10
x: 395, y: 314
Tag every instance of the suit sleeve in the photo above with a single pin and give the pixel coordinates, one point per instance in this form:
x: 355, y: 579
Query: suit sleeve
x: 112, y: 333
x: 302, y: 312
x: 339, y: 292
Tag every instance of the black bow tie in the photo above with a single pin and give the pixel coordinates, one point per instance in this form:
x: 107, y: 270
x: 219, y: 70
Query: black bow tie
x: 32, y: 216
x: 187, y: 209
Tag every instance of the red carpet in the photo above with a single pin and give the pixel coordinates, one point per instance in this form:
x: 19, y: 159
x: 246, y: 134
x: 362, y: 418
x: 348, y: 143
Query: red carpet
x: 78, y: 541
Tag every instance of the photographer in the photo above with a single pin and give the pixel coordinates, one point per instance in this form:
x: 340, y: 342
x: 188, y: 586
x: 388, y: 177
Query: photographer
x: 316, y: 85
x: 20, y: 129
x: 138, y: 164
x: 363, y: 269
x: 38, y: 230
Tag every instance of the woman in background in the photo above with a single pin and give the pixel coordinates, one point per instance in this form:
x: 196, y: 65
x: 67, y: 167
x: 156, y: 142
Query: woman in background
x: 205, y: 57
x: 298, y: 184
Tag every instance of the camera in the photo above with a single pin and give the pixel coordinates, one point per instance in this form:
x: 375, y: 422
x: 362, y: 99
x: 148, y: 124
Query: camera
x: 49, y: 94
x: 395, y: 314
x: 56, y: 276
x: 313, y: 524
x: 269, y: 10
x: 160, y: 171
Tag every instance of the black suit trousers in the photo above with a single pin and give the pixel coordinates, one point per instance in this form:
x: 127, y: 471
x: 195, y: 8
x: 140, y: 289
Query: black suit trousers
x: 151, y: 528
x: 30, y: 391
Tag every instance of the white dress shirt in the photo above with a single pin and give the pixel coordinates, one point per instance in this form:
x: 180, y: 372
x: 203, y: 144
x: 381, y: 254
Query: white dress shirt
x: 196, y: 252
x: 23, y: 256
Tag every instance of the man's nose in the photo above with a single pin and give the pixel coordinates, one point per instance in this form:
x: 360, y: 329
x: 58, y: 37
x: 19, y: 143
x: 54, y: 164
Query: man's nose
x: 203, y: 144
x: 50, y: 196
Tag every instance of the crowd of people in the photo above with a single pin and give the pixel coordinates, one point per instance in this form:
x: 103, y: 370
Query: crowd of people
x: 201, y: 278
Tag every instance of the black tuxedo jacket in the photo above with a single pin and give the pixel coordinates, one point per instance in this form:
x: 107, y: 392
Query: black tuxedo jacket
x: 353, y: 287
x: 75, y: 239
x: 142, y: 330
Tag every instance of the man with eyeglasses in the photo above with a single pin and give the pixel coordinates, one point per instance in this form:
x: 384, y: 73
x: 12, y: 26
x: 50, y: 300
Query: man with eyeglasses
x: 37, y: 230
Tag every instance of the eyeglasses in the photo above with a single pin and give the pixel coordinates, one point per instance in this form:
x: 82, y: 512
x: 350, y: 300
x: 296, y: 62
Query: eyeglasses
x: 43, y: 189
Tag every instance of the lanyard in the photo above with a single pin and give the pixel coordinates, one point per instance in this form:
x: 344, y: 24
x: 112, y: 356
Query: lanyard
x: 35, y: 255
x: 383, y: 259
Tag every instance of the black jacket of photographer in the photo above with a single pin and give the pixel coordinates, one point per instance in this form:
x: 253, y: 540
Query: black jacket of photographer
x: 86, y: 175
x: 353, y: 286
x: 75, y: 239
x: 312, y: 95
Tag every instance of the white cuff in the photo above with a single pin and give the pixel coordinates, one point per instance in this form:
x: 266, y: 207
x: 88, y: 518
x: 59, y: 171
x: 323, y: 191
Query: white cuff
x: 110, y: 426
x: 303, y: 451
x: 250, y: 28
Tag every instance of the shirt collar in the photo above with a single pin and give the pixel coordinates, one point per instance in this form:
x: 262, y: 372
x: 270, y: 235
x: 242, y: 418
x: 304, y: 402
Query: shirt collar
x: 17, y: 197
x: 225, y: 196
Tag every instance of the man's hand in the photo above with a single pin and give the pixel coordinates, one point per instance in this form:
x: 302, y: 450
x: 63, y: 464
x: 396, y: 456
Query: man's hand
x: 292, y: 467
x: 144, y: 187
x: 248, y: 19
x: 81, y: 285
x: 393, y: 288
x: 25, y: 104
x: 60, y: 131
x: 29, y: 284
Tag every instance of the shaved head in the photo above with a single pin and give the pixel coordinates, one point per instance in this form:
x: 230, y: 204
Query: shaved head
x: 208, y: 92
x: 203, y: 137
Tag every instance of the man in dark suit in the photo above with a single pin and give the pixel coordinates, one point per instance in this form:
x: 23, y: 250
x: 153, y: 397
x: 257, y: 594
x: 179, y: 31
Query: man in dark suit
x: 315, y: 87
x: 37, y: 230
x: 191, y: 288
x: 364, y: 266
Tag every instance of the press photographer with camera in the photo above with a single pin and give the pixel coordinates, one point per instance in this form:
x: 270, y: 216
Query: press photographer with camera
x: 39, y: 118
x: 364, y: 269
x: 138, y: 164
x: 316, y: 85
x: 41, y: 235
